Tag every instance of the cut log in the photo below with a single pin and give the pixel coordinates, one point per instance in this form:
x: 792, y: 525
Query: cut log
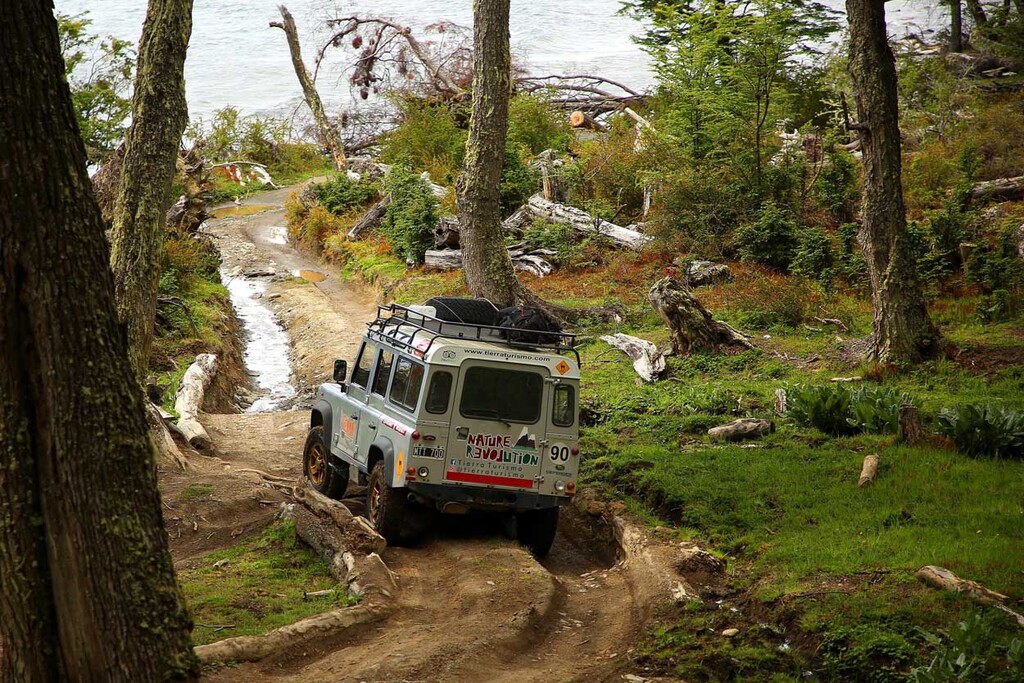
x: 443, y: 259
x: 1001, y: 190
x: 691, y: 325
x: 371, y: 220
x: 868, y: 471
x: 584, y: 222
x: 909, y: 427
x: 743, y: 428
x: 189, y: 400
x: 579, y: 119
x: 648, y: 362
x: 943, y: 579
x: 527, y: 261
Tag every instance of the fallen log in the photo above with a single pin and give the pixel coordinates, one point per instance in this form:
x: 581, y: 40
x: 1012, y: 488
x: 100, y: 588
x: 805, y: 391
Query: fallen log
x: 579, y: 119
x: 162, y: 439
x: 584, y: 222
x: 943, y: 579
x: 358, y: 534
x: 446, y: 234
x: 531, y: 261
x: 189, y: 400
x: 743, y: 428
x: 1002, y: 190
x: 371, y: 220
x: 648, y: 362
x: 868, y: 471
x: 691, y: 325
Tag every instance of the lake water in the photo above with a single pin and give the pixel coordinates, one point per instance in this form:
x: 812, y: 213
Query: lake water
x: 236, y: 59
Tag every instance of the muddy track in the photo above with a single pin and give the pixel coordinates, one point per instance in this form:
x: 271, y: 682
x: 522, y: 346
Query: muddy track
x: 471, y: 605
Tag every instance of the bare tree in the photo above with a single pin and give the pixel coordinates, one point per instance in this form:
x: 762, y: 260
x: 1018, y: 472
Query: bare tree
x: 159, y: 117
x: 88, y: 589
x: 903, y: 332
x: 326, y: 130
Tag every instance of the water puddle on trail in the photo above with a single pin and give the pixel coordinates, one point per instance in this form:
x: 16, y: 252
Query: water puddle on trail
x: 310, y: 275
x: 266, y: 344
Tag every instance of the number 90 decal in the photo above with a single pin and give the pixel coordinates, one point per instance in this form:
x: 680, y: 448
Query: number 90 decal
x: 559, y: 452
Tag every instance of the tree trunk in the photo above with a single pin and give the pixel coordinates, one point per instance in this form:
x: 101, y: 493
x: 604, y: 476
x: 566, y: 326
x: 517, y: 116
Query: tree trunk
x: 487, y: 266
x: 903, y: 332
x: 89, y: 592
x: 309, y: 92
x: 956, y: 26
x: 159, y: 116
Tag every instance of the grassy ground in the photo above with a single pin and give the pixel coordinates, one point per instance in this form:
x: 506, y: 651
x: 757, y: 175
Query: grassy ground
x: 256, y: 586
x: 820, y: 574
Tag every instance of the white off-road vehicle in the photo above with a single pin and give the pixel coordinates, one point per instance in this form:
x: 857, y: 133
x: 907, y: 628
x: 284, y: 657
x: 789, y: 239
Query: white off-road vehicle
x: 446, y: 410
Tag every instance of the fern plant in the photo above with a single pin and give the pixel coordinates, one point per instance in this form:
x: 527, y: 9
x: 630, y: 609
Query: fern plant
x: 836, y: 409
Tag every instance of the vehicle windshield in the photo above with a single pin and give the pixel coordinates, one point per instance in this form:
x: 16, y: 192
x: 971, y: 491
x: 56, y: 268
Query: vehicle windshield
x: 506, y: 395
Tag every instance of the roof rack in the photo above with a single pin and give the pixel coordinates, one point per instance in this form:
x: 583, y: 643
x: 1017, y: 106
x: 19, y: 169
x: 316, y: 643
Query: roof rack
x: 392, y: 318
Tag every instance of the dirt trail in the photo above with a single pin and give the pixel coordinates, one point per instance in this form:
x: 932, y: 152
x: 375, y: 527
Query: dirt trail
x: 472, y: 605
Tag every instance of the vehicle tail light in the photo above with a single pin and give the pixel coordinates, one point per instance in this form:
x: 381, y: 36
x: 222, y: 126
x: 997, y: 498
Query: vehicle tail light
x: 416, y: 436
x: 411, y: 471
x: 571, y: 486
x: 575, y: 450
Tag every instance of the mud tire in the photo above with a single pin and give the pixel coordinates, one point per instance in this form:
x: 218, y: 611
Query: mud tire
x: 536, y: 529
x: 389, y: 509
x: 464, y: 310
x: 317, y: 468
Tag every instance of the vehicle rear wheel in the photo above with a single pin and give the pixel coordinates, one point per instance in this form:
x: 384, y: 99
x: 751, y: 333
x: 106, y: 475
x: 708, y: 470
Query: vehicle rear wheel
x: 464, y: 310
x: 316, y: 465
x: 535, y: 529
x: 387, y: 508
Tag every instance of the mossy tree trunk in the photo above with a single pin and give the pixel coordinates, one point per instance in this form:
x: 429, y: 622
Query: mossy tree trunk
x: 486, y: 263
x: 87, y: 587
x: 903, y: 332
x: 159, y: 117
x: 323, y: 125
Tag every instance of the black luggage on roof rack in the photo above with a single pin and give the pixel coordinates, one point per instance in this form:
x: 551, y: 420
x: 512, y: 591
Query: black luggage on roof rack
x: 464, y: 310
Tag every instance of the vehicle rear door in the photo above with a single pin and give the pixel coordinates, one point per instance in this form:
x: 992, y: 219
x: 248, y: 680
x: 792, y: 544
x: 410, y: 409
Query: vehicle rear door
x: 497, y: 426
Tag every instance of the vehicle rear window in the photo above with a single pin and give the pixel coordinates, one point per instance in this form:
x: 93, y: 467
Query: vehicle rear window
x: 405, y: 387
x: 499, y: 394
x: 563, y: 413
x: 439, y: 393
x: 361, y: 373
x: 383, y: 372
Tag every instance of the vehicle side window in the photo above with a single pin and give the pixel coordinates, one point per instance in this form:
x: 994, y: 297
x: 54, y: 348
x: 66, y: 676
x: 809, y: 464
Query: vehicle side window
x: 439, y: 393
x: 405, y: 387
x: 361, y: 373
x: 564, y: 413
x: 383, y: 372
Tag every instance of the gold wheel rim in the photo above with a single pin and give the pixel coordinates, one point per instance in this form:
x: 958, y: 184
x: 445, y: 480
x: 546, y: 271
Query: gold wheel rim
x: 375, y: 496
x: 317, y: 464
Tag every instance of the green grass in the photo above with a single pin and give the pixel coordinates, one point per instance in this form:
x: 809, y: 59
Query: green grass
x: 259, y: 588
x: 193, y: 491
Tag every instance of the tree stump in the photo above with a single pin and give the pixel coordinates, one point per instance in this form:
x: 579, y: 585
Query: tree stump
x: 909, y: 427
x: 691, y: 325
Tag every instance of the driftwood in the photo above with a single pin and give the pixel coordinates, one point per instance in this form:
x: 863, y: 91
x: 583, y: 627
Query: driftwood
x: 579, y: 119
x: 584, y: 222
x: 909, y: 428
x: 162, y: 439
x: 648, y: 362
x: 328, y: 133
x: 691, y: 325
x: 868, y: 470
x: 1002, y: 190
x: 743, y: 428
x: 189, y: 399
x: 943, y: 579
x: 523, y: 259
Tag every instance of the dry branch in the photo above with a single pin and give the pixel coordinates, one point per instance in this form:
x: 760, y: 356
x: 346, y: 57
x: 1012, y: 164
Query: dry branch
x: 189, y: 400
x: 648, y: 362
x: 943, y: 579
x: 371, y: 220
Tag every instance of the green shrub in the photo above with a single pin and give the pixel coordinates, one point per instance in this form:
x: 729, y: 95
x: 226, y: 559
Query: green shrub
x: 428, y: 139
x: 339, y: 194
x: 814, y: 256
x: 771, y: 240
x: 535, y: 126
x: 984, y: 431
x: 836, y: 409
x: 770, y: 301
x: 558, y: 237
x: 412, y: 214
x: 867, y: 653
x: 836, y: 188
x: 974, y: 652
x: 518, y: 182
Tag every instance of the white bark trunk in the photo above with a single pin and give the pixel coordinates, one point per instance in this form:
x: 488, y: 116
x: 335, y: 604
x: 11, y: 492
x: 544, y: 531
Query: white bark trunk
x: 584, y: 222
x: 648, y: 362
x: 189, y: 400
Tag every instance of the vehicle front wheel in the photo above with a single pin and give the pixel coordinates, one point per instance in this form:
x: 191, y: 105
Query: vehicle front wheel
x: 535, y: 529
x: 317, y: 467
x: 387, y: 508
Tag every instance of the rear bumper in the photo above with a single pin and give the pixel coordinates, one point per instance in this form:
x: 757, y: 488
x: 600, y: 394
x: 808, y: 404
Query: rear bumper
x: 485, y: 498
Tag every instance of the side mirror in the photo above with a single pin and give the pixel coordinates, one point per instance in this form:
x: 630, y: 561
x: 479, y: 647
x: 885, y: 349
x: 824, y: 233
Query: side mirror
x: 340, y: 371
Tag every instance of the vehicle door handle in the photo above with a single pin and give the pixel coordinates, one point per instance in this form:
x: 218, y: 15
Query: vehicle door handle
x: 355, y: 418
x: 372, y: 426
